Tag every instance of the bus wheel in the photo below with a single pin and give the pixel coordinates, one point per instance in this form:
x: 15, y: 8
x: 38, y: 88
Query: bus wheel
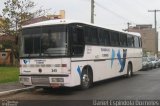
x: 86, y: 79
x: 47, y: 89
x: 129, y: 70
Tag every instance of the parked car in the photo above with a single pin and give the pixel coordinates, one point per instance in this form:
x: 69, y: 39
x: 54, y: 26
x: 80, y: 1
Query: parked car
x: 158, y: 62
x: 146, y: 63
x: 154, y: 62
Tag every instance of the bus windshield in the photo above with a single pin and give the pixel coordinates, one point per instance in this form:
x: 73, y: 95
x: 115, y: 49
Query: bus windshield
x: 44, y: 41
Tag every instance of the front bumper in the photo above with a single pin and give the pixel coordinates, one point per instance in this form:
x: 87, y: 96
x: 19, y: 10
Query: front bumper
x: 44, y: 80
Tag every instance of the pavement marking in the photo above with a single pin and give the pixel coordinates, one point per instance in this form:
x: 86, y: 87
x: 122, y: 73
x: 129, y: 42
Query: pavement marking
x: 4, y: 93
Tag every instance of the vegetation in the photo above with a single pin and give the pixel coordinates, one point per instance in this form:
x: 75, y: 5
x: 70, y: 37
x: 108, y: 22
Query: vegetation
x: 4, y: 25
x: 9, y: 74
x: 16, y: 12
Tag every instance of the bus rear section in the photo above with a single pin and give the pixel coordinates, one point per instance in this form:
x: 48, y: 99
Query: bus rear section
x: 45, y: 72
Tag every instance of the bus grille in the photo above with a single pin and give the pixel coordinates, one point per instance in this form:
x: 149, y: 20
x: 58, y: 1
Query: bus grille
x: 40, y: 80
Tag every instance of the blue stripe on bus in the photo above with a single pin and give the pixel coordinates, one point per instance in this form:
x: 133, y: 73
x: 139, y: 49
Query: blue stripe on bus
x: 122, y: 61
x: 79, y: 71
x: 112, y: 58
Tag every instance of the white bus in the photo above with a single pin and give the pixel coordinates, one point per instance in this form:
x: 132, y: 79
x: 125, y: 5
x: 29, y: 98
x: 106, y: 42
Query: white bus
x: 58, y: 53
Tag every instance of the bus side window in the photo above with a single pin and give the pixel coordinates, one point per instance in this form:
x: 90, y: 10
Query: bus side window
x: 140, y: 41
x: 114, y: 38
x: 123, y: 40
x: 91, y: 35
x: 77, y: 44
x: 104, y: 38
x: 136, y: 41
x: 130, y: 41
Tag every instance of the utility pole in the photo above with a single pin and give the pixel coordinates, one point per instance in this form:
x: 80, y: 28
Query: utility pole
x: 92, y: 11
x: 156, y: 37
x: 128, y: 24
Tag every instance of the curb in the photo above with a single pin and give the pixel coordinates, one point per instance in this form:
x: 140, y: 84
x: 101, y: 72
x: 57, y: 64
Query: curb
x: 5, y: 93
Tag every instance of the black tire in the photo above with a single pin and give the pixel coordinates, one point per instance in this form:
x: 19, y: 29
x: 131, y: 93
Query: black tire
x: 86, y: 79
x: 129, y: 71
x: 47, y: 89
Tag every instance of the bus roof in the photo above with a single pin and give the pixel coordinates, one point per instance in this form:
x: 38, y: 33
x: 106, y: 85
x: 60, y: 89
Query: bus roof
x: 64, y: 21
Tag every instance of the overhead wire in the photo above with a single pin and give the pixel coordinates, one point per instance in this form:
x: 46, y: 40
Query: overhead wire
x: 139, y: 4
x: 112, y: 12
x: 109, y: 10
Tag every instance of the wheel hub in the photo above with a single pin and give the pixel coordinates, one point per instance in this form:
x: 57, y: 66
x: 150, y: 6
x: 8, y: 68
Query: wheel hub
x: 85, y: 80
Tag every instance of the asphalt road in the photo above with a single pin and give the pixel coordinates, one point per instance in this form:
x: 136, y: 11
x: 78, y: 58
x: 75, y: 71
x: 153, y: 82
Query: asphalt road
x: 144, y: 85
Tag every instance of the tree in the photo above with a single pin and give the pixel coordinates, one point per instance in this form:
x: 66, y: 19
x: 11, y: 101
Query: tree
x: 17, y: 11
x: 4, y: 25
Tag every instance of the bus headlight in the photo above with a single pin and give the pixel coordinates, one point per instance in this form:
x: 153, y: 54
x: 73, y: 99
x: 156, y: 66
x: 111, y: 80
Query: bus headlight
x: 24, y: 79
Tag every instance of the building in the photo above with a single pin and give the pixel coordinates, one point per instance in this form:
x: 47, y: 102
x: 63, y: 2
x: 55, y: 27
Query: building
x: 35, y: 20
x: 149, y: 40
x: 61, y: 15
x: 4, y: 38
x: 6, y: 57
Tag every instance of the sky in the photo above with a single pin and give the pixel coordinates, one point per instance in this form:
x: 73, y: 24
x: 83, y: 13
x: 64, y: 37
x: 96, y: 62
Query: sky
x: 114, y: 14
x: 109, y: 13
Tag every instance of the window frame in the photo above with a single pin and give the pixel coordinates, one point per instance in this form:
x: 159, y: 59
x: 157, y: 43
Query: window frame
x: 104, y: 35
x: 114, y: 37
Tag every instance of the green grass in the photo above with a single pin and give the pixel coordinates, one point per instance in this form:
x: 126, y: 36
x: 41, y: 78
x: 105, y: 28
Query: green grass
x: 9, y: 74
